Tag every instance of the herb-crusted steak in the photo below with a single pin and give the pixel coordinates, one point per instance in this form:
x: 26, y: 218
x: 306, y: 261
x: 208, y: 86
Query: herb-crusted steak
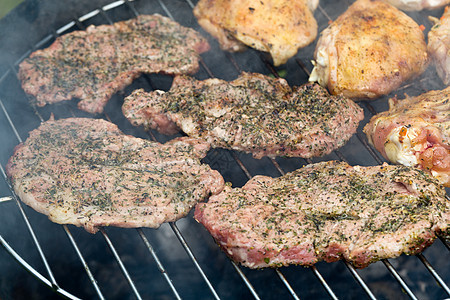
x: 328, y: 211
x: 254, y: 113
x: 94, y: 64
x: 88, y: 173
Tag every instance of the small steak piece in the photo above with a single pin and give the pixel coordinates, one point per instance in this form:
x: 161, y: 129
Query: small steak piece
x: 254, y: 113
x: 94, y: 64
x: 415, y: 132
x: 328, y: 211
x: 88, y: 173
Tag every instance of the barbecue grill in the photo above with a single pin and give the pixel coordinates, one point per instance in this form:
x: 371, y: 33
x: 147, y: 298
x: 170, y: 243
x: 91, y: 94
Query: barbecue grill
x: 180, y: 259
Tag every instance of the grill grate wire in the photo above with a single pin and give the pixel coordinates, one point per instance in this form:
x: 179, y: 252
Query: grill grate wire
x: 51, y: 282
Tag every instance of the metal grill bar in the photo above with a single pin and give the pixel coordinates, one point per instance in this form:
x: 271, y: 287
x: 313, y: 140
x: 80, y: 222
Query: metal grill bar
x: 287, y: 284
x: 5, y: 199
x: 53, y: 284
x: 434, y: 273
x: 16, y: 133
x: 158, y: 262
x: 445, y: 243
x: 360, y: 280
x: 399, y: 279
x: 121, y: 265
x: 83, y: 262
x: 192, y: 256
x: 368, y: 148
x: 323, y: 282
x: 35, y: 273
x: 164, y: 7
x: 246, y: 281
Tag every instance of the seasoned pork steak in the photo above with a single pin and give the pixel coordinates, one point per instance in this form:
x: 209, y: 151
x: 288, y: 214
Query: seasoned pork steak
x: 328, y: 211
x: 88, y: 173
x: 94, y: 64
x: 254, y: 113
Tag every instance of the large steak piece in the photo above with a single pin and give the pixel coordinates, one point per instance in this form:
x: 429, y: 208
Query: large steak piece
x: 88, y: 173
x: 328, y: 211
x: 254, y: 113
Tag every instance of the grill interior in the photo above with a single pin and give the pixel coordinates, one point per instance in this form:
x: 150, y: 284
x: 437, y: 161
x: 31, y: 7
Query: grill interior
x: 181, y: 260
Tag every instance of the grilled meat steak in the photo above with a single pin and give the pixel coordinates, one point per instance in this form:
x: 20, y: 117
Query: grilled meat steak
x: 328, y: 211
x: 415, y: 132
x: 369, y: 51
x: 439, y: 45
x: 253, y: 113
x: 88, y: 173
x: 94, y: 64
x: 279, y: 27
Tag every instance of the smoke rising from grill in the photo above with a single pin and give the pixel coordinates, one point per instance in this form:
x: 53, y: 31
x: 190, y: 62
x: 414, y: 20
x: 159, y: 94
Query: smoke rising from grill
x: 185, y: 251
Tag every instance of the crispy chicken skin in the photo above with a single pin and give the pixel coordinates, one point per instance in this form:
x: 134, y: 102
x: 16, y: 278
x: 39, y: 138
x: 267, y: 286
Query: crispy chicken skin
x: 411, y: 5
x: 279, y: 27
x: 369, y: 51
x: 439, y: 45
x: 415, y: 132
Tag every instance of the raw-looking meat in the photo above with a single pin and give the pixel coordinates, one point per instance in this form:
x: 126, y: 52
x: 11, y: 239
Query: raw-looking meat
x: 328, y: 211
x: 439, y: 45
x: 94, y: 64
x: 369, y: 51
x: 279, y: 27
x: 254, y: 113
x: 415, y: 132
x: 88, y: 173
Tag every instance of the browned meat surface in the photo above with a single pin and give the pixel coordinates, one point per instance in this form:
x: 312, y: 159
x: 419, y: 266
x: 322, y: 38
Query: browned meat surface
x: 254, y: 113
x: 279, y: 27
x: 88, y: 173
x: 415, y: 132
x: 328, y: 211
x: 369, y: 51
x: 439, y: 45
x: 411, y: 5
x: 92, y: 65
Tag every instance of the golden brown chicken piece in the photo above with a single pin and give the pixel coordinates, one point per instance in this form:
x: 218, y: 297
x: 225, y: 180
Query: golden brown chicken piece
x: 369, y: 51
x: 418, y: 4
x: 415, y: 132
x: 279, y: 27
x: 439, y: 45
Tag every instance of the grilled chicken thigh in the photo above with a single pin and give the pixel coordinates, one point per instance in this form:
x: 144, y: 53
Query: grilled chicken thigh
x: 439, y: 45
x: 279, y: 27
x: 369, y: 51
x: 415, y: 132
x: 418, y: 4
